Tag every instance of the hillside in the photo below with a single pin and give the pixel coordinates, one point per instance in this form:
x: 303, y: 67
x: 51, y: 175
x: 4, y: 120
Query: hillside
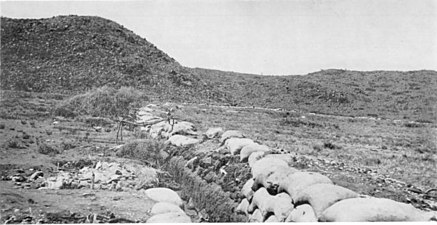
x: 71, y: 54
x: 388, y: 94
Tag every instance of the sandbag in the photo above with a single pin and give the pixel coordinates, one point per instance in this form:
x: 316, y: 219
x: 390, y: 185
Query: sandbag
x: 255, y: 156
x: 267, y: 165
x: 165, y: 207
x: 247, y: 150
x: 280, y: 205
x: 234, y: 145
x: 297, y: 182
x: 242, y: 207
x: 230, y: 134
x: 270, y: 179
x: 321, y: 196
x: 247, y: 189
x: 302, y: 213
x: 256, y: 216
x: 169, y: 218
x: 373, y: 210
x: 164, y: 195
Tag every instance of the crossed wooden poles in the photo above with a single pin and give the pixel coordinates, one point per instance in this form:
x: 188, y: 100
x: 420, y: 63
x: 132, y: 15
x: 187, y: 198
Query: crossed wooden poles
x: 122, y: 122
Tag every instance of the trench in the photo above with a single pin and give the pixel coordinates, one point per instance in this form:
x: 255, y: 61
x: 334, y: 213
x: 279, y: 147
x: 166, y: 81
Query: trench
x: 215, y: 193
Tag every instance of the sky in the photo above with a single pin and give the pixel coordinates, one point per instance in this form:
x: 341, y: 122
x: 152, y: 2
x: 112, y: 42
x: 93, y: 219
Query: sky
x: 270, y: 37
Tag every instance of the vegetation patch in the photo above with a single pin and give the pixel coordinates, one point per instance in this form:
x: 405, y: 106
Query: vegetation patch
x: 102, y: 102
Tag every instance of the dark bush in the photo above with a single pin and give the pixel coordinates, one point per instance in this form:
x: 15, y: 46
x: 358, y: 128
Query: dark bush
x: 47, y: 149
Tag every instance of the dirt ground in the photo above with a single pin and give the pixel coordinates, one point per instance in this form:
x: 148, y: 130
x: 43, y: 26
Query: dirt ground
x: 374, y: 157
x: 31, y: 141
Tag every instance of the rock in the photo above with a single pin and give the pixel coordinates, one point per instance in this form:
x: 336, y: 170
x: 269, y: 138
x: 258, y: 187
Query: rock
x: 230, y: 134
x: 165, y: 207
x: 374, y: 210
x: 56, y: 183
x: 18, y: 178
x: 298, y: 181
x: 190, y: 163
x: 164, y: 195
x: 169, y: 218
x: 206, y: 162
x: 303, y: 213
x: 247, y: 150
x: 213, y: 132
x: 35, y: 175
x: 83, y: 184
x: 321, y: 196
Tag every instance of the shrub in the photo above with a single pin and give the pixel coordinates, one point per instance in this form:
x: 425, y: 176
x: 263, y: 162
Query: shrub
x: 103, y: 101
x: 47, y: 149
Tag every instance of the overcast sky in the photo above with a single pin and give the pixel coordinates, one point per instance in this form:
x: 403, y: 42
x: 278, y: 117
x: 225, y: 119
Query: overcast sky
x: 270, y: 37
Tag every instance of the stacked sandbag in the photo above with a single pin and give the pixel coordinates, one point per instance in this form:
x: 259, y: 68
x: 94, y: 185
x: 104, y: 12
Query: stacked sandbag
x: 279, y: 193
x: 168, y: 207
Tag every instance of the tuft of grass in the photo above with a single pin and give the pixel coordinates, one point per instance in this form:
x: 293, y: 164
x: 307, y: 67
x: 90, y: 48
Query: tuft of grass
x: 102, y: 102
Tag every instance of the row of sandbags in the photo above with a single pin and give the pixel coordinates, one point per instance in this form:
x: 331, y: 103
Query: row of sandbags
x: 280, y: 193
x: 168, y: 206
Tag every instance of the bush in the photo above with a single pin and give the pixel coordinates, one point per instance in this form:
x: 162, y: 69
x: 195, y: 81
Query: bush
x: 104, y: 101
x: 47, y: 149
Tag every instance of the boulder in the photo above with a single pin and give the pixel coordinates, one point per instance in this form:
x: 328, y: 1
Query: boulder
x: 234, y: 145
x: 302, y: 213
x: 169, y: 218
x: 164, y: 195
x: 321, y: 196
x: 296, y: 182
x: 213, y: 132
x: 374, y: 210
x: 165, y: 207
x: 180, y: 140
x: 247, y: 150
x: 230, y: 134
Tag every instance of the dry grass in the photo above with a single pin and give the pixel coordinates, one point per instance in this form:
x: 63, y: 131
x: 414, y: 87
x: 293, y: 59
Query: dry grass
x: 404, y: 153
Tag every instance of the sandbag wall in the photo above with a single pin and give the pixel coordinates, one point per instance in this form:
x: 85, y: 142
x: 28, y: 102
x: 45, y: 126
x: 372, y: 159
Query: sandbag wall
x: 280, y: 193
x: 246, y: 181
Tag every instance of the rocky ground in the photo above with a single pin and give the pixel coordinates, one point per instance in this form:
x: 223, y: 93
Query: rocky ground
x: 56, y: 170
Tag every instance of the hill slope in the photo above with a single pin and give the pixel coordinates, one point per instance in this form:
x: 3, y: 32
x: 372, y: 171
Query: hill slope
x: 70, y: 54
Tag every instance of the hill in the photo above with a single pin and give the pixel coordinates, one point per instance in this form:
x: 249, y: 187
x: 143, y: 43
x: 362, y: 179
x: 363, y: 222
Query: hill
x: 71, y: 54
x: 388, y: 94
